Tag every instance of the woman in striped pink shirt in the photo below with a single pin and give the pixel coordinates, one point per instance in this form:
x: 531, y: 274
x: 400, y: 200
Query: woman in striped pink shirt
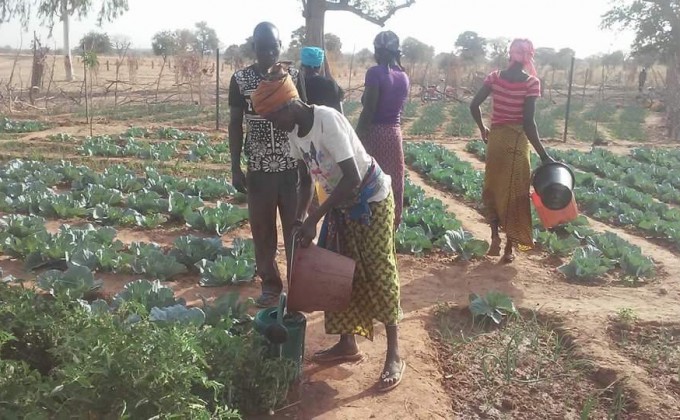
x: 508, y: 170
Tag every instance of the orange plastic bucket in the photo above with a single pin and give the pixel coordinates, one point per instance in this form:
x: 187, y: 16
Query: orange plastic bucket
x: 320, y: 280
x: 551, y: 218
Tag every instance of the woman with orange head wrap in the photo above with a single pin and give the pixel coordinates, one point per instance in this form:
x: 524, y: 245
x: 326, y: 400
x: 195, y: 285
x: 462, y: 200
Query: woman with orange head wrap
x: 508, y: 172
x: 358, y: 215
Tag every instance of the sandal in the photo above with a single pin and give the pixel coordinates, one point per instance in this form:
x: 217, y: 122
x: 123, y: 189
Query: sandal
x: 267, y: 300
x: 325, y: 356
x: 385, y: 386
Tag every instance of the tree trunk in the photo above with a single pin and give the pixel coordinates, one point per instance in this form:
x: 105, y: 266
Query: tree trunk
x: 314, y: 21
x: 68, y: 66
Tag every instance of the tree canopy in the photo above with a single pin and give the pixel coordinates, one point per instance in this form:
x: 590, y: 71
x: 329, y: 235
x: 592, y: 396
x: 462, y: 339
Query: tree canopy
x: 49, y: 11
x: 471, y: 46
x: 97, y: 42
x: 656, y: 24
x: 416, y: 51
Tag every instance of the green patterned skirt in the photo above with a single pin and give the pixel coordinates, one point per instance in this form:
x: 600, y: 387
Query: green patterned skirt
x: 375, y: 290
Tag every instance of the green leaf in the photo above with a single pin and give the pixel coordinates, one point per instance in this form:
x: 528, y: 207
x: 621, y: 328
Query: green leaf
x: 177, y: 314
x: 148, y: 294
x: 73, y: 283
x: 225, y: 270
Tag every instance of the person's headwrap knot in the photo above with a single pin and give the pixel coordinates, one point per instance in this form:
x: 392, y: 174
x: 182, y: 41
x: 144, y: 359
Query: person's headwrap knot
x: 311, y: 56
x: 522, y: 51
x: 274, y: 92
x: 387, y: 40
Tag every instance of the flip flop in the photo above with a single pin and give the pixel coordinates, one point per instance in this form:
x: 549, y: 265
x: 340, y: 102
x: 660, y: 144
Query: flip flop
x: 385, y: 375
x: 323, y: 357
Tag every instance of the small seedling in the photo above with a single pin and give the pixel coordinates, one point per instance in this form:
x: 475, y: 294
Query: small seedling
x: 627, y: 316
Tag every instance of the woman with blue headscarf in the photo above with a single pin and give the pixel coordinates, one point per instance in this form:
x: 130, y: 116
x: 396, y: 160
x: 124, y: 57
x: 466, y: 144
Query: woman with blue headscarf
x: 320, y: 90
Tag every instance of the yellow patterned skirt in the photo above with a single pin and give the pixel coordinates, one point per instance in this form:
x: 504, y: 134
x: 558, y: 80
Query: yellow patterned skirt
x: 375, y: 290
x: 506, y: 183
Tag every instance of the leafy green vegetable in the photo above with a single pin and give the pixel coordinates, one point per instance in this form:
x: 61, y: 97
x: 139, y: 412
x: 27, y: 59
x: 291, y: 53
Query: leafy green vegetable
x: 96, y: 194
x: 494, y: 305
x: 412, y: 240
x: 219, y: 219
x: 560, y: 247
x: 463, y: 244
x: 107, y: 215
x: 587, y: 263
x: 181, y: 205
x: 210, y: 188
x: 22, y: 226
x: 191, y: 249
x: 147, y: 294
x: 147, y: 202
x: 73, y: 283
x: 177, y: 314
x: 225, y: 270
x: 63, y: 206
x: 148, y: 259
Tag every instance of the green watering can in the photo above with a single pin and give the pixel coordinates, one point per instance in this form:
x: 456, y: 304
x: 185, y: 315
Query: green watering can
x: 285, y: 332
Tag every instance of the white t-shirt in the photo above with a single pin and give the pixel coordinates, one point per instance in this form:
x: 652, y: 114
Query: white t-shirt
x: 330, y: 141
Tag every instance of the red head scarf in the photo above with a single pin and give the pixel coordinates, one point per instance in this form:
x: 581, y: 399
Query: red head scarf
x: 522, y: 51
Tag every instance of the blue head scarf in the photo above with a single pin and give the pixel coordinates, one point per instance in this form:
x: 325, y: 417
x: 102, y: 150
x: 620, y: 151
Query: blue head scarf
x: 312, y: 56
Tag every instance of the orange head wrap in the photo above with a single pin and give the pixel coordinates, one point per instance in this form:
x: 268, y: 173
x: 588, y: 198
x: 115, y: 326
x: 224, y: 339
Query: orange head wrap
x: 274, y: 92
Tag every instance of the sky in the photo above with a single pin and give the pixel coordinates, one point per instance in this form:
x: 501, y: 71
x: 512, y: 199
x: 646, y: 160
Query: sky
x: 548, y: 23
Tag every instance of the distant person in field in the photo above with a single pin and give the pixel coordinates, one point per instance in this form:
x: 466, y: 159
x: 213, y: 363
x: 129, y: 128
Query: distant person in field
x: 358, y: 218
x: 508, y: 172
x: 271, y: 179
x: 379, y: 128
x: 320, y: 90
x: 642, y: 79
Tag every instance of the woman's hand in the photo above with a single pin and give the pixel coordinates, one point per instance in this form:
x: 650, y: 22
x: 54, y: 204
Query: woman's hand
x: 484, y: 131
x: 547, y: 159
x: 304, y: 232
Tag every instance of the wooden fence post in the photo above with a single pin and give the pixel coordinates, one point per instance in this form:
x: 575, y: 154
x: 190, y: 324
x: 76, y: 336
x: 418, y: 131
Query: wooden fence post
x: 571, y: 82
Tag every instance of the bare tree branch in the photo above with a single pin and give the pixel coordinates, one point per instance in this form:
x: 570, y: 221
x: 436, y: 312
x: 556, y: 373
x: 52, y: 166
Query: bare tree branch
x: 344, y: 5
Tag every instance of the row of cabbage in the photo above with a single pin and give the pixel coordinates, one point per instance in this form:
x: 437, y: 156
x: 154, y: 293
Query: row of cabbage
x: 661, y: 181
x: 136, y: 142
x: 427, y: 225
x: 591, y: 254
x: 74, y: 253
x: 118, y: 196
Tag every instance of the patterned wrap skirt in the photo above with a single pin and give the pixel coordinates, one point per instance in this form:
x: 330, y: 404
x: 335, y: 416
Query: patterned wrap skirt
x: 384, y: 143
x: 507, y: 179
x: 375, y: 289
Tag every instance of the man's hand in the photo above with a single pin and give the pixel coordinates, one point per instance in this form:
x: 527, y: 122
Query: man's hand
x: 238, y: 180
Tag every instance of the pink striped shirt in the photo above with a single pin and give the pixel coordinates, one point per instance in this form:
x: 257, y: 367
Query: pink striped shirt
x: 508, y: 97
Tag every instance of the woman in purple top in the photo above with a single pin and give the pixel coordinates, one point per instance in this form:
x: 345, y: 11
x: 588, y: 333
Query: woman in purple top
x: 379, y: 128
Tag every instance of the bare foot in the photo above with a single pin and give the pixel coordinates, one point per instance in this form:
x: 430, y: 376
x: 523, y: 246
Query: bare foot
x: 495, y: 247
x: 508, y: 256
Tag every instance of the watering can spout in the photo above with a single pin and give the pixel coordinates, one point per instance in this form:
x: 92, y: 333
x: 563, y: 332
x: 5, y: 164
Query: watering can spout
x: 277, y: 333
